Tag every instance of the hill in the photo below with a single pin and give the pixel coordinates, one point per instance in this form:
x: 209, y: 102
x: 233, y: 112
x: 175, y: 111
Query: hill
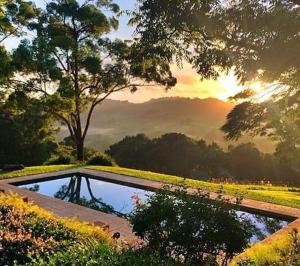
x: 197, y: 118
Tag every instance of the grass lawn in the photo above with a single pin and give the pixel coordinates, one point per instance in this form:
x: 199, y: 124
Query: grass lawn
x: 34, y: 170
x: 282, y: 195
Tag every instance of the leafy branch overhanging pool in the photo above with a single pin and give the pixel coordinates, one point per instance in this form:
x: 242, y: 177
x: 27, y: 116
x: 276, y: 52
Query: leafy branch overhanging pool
x: 120, y: 200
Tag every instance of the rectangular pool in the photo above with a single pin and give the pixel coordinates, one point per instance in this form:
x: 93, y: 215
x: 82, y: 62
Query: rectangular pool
x: 119, y: 200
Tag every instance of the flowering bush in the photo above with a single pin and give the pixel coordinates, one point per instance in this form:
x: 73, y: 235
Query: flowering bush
x: 26, y: 231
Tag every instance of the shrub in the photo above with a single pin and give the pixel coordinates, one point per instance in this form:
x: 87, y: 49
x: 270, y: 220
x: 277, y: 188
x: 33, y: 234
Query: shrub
x: 60, y: 160
x: 24, y: 234
x: 191, y: 228
x: 27, y: 231
x: 95, y: 254
x: 283, y: 251
x: 101, y: 159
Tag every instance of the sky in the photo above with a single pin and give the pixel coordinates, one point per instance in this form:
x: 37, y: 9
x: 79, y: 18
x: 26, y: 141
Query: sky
x: 189, y: 83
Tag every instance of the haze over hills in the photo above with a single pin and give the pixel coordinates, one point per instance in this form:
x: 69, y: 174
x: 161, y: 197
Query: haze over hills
x: 197, y: 118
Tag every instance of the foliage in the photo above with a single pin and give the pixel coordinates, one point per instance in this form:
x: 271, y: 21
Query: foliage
x: 15, y: 15
x: 167, y: 153
x: 95, y: 254
x: 183, y: 30
x: 243, y: 158
x: 101, y: 159
x: 74, y: 66
x: 24, y: 235
x: 278, y: 195
x: 283, y: 251
x: 62, y: 159
x: 27, y: 133
x: 272, y: 118
x: 68, y: 147
x: 262, y: 37
x: 191, y: 228
x: 131, y: 151
x: 214, y: 35
x: 282, y: 195
x: 27, y: 129
x: 171, y: 153
x: 177, y: 154
x: 27, y: 231
x: 267, y: 29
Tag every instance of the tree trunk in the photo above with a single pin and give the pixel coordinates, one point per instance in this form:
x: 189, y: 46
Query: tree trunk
x: 80, y: 150
x: 78, y: 189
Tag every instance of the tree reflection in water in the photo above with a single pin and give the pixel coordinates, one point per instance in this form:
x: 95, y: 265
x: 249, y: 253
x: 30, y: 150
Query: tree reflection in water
x: 72, y: 193
x: 269, y: 226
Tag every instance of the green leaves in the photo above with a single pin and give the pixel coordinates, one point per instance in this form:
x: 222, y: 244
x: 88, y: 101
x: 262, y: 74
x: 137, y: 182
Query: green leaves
x: 25, y: 128
x: 209, y: 34
x: 6, y: 65
x: 93, y: 20
x: 92, y: 64
x: 191, y: 228
x: 14, y: 14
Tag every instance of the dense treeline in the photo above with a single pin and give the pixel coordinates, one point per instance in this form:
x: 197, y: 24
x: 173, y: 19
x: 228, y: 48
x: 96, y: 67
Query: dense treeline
x: 27, y: 134
x: 178, y: 154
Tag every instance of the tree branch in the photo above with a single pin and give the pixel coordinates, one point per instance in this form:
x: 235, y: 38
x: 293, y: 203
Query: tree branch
x: 98, y: 101
x: 60, y: 62
x: 64, y: 119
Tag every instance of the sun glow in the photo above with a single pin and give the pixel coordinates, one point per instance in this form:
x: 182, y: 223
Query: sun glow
x: 189, y: 84
x: 229, y: 85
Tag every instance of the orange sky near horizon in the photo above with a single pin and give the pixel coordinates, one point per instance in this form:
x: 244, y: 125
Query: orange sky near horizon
x: 189, y: 85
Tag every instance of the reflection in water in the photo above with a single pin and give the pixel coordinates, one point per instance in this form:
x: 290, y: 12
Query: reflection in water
x: 271, y: 225
x: 72, y: 193
x: 120, y: 200
x: 95, y: 194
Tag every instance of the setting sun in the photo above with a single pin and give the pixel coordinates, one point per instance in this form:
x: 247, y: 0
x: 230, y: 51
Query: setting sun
x: 230, y: 86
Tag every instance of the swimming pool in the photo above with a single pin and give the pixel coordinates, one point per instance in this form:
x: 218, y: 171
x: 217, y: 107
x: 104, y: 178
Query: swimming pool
x: 119, y: 200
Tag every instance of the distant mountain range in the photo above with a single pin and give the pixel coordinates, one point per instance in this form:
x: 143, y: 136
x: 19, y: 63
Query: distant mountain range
x: 197, y: 118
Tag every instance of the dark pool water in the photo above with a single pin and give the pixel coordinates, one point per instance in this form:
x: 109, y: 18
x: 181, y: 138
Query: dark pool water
x: 120, y: 200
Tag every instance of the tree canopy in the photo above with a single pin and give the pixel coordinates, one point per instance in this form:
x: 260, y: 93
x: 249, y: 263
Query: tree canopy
x: 215, y: 35
x: 72, y: 65
x: 259, y: 40
x: 27, y: 132
x: 179, y: 155
x: 15, y: 15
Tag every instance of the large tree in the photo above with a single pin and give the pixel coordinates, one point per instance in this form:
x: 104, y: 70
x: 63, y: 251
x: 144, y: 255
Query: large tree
x: 259, y: 40
x: 72, y: 65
